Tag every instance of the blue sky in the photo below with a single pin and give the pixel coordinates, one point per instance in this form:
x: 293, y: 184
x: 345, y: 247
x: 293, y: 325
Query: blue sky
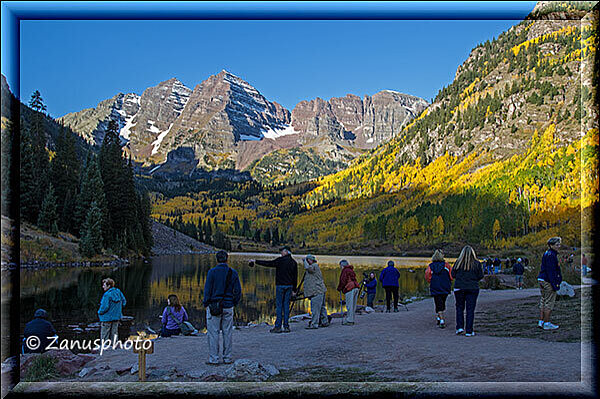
x: 76, y: 64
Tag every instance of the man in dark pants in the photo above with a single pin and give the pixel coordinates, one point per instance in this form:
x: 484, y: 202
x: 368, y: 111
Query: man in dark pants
x: 41, y: 328
x: 286, y: 280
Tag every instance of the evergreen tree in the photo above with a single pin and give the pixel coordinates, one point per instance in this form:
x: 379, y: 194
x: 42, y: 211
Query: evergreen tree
x: 29, y: 188
x: 48, y: 218
x: 64, y: 172
x: 91, y: 238
x: 92, y: 190
x: 38, y: 140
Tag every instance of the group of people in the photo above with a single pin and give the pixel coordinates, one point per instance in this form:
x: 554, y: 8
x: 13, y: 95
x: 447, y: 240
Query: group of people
x: 222, y: 292
x: 494, y: 266
x: 468, y: 271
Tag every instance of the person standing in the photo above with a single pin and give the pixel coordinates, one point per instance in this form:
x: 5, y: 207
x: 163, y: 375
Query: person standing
x: 348, y: 285
x: 371, y: 289
x: 223, y: 287
x: 41, y: 328
x: 389, y: 280
x: 173, y: 315
x: 110, y: 311
x: 466, y: 272
x: 286, y: 280
x: 584, y: 263
x: 496, y: 265
x: 439, y: 277
x: 518, y: 270
x: 550, y: 277
x: 314, y: 289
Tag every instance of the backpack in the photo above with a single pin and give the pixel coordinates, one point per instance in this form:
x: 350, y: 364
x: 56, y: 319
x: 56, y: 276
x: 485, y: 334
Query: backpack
x: 186, y: 327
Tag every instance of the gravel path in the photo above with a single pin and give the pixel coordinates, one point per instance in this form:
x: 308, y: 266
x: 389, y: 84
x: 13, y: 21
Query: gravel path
x: 404, y: 346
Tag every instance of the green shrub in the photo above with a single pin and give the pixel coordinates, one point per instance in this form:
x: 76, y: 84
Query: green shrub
x: 42, y: 368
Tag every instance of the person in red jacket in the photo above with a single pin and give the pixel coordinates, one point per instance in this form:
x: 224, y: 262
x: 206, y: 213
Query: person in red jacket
x: 349, y: 286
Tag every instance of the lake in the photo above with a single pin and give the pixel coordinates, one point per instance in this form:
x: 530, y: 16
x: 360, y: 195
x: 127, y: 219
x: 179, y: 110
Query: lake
x: 72, y: 295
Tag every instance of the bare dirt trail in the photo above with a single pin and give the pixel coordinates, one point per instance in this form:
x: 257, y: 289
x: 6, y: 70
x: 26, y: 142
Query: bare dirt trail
x: 404, y: 346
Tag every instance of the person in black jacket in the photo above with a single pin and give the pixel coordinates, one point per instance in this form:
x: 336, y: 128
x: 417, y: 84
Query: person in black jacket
x: 518, y: 270
x: 467, y: 272
x: 286, y: 280
x: 440, y: 281
x: 40, y: 328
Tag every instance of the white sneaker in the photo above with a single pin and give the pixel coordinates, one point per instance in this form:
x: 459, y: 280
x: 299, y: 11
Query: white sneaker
x: 550, y: 326
x: 541, y: 323
x: 460, y: 331
x: 471, y: 334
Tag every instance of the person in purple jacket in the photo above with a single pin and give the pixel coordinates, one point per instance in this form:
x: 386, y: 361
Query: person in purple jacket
x: 549, y: 278
x: 389, y: 281
x: 173, y: 315
x: 371, y: 289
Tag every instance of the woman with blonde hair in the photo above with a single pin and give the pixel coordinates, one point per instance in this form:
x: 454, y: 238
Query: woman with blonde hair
x: 467, y: 272
x: 440, y: 280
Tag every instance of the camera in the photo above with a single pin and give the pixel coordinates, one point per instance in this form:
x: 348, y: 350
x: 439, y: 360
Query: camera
x: 363, y: 284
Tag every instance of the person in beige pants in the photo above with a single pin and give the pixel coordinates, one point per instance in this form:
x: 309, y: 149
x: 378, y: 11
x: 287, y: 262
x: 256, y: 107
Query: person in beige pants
x: 348, y: 285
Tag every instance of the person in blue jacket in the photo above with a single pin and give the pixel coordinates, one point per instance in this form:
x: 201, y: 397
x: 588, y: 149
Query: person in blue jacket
x: 389, y: 281
x: 438, y: 275
x: 371, y: 289
x: 110, y: 311
x: 549, y: 278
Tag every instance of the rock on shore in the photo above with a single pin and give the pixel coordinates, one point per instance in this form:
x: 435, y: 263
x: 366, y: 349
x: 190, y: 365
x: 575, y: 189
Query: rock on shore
x: 169, y: 241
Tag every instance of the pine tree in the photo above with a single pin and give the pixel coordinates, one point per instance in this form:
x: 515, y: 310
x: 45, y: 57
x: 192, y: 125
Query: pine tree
x: 91, y: 238
x: 29, y: 188
x: 48, y: 218
x: 92, y: 190
x: 64, y: 173
x: 38, y: 140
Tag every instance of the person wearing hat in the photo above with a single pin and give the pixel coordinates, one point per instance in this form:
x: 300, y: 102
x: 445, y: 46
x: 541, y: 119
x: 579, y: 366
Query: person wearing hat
x: 518, y: 270
x: 286, y: 281
x: 550, y: 277
x: 41, y: 328
x: 222, y: 287
x: 314, y: 289
x: 348, y: 285
x: 389, y: 281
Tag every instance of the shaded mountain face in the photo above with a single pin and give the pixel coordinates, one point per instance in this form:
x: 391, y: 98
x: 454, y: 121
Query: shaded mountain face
x: 228, y: 124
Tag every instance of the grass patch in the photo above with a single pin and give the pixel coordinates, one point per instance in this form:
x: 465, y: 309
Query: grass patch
x: 325, y: 374
x: 518, y: 318
x: 42, y: 368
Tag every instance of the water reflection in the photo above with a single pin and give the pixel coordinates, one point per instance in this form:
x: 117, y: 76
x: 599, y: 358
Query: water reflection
x: 72, y: 295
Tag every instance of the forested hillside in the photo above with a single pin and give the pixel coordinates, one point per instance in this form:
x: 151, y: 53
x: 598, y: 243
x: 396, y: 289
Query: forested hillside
x: 504, y: 157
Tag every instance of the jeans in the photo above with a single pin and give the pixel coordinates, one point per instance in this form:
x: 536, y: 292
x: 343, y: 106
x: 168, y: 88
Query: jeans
x: 222, y: 322
x: 351, y: 298
x: 283, y: 293
x: 167, y: 332
x: 318, y: 310
x: 370, y: 299
x: 389, y: 291
x: 109, y: 330
x: 468, y: 298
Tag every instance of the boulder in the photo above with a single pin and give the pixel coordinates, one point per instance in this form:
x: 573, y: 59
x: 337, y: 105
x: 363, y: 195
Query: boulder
x: 250, y: 370
x: 196, y: 374
x: 67, y: 363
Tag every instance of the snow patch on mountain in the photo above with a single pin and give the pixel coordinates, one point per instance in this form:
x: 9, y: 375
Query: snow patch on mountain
x: 276, y: 133
x: 156, y: 143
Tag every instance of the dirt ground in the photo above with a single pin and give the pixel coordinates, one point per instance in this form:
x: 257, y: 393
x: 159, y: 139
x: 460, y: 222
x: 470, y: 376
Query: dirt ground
x: 400, y: 347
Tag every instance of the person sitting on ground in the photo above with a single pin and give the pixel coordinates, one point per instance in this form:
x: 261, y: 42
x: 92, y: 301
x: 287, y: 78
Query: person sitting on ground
x: 41, y: 328
x: 222, y: 291
x: 371, y: 289
x: 348, y: 285
x: 518, y: 270
x: 550, y: 277
x: 439, y: 277
x: 466, y: 272
x: 173, y: 315
x: 314, y: 289
x: 110, y: 312
x: 389, y: 280
x: 286, y: 281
